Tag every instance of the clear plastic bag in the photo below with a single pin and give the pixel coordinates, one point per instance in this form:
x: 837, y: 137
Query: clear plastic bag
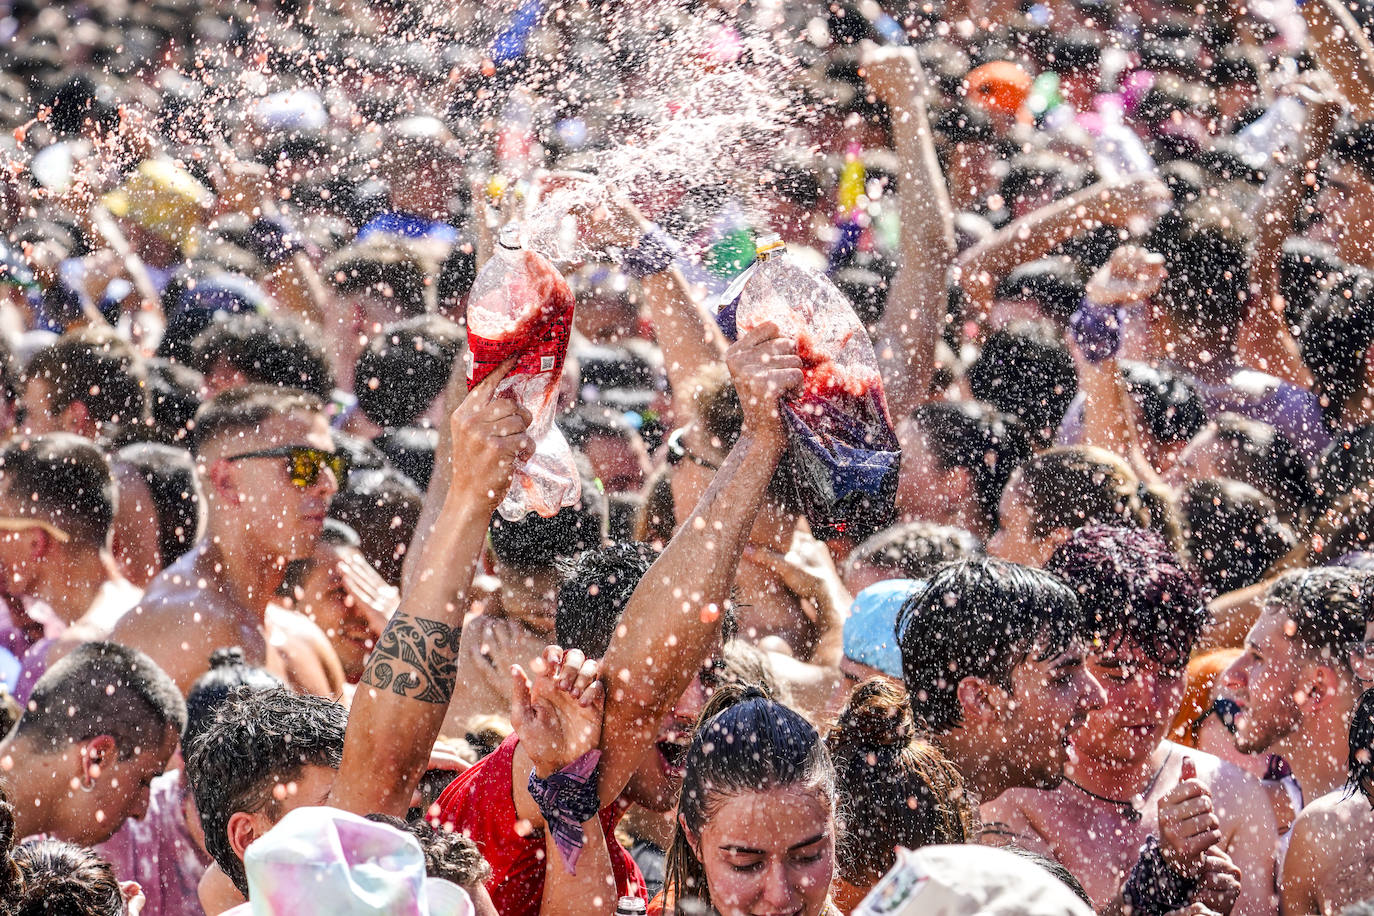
x: 842, y: 458
x: 520, y: 305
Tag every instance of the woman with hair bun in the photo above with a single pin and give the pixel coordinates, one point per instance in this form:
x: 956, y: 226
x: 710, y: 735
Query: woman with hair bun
x: 893, y: 789
x: 756, y: 818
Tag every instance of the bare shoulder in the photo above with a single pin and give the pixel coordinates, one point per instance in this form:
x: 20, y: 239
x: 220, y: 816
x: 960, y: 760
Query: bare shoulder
x: 1337, y: 810
x: 1237, y: 794
x: 1012, y: 818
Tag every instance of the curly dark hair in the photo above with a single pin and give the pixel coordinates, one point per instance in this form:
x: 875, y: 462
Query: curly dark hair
x: 257, y: 739
x: 1133, y: 588
x: 56, y: 877
x: 451, y: 856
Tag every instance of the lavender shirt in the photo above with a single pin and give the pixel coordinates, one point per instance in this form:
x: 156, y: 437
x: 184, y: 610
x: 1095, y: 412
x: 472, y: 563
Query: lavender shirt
x: 157, y: 851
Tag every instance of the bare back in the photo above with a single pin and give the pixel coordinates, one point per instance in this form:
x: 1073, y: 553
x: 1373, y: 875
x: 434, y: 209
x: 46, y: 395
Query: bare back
x: 188, y: 612
x: 1330, y: 859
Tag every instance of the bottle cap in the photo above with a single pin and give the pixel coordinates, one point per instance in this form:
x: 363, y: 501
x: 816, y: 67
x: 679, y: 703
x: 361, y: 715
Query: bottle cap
x: 769, y: 243
x: 510, y: 237
x: 629, y: 906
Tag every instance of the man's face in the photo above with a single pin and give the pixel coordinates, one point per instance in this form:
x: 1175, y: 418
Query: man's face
x: 1049, y: 700
x: 121, y: 792
x: 1263, y: 681
x: 1143, y: 697
x: 284, y: 518
x: 656, y: 783
x: 325, y: 599
x: 19, y: 550
x: 1015, y: 539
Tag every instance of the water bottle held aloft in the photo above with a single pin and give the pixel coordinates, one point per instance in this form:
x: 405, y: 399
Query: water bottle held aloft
x: 521, y: 306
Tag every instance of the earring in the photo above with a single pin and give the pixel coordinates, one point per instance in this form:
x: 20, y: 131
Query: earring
x: 87, y: 780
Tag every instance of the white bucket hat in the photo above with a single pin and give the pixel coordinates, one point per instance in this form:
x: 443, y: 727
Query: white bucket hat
x: 327, y: 861
x: 969, y: 881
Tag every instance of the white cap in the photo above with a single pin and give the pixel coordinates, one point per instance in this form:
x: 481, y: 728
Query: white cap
x: 330, y: 862
x: 969, y: 881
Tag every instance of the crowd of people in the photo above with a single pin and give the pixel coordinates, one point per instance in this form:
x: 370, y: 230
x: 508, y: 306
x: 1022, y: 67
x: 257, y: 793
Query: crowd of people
x: 267, y: 646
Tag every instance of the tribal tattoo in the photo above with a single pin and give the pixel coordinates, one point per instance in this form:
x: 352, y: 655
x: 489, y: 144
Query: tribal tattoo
x: 416, y: 657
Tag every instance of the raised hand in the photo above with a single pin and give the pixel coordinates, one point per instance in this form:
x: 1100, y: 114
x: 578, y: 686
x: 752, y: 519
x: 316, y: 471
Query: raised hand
x: 807, y: 569
x: 556, y: 708
x: 764, y: 366
x: 367, y: 592
x: 489, y: 440
x: 893, y: 73
x: 1188, y: 825
x: 1131, y: 275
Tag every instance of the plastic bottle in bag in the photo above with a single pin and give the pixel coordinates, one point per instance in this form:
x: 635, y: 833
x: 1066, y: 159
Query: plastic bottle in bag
x: 520, y: 305
x: 842, y: 458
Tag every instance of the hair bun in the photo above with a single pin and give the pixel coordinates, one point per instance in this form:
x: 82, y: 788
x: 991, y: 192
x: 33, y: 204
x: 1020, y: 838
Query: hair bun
x: 878, y: 715
x: 229, y: 657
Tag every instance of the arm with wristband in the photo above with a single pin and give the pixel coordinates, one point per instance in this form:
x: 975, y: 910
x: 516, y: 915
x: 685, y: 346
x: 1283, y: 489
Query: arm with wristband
x: 1130, y: 277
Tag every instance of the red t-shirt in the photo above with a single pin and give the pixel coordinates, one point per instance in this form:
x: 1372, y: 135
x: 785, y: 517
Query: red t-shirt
x: 481, y: 804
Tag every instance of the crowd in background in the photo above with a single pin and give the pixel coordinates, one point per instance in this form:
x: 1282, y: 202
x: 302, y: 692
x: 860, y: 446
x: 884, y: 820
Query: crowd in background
x: 261, y: 627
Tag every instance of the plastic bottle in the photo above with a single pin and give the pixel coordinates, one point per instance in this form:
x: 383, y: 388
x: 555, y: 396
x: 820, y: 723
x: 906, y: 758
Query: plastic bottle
x: 1118, y: 150
x: 843, y: 455
x: 520, y: 304
x: 629, y: 906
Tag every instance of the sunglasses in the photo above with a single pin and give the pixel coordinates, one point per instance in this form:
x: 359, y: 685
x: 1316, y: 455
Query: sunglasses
x: 1224, y: 709
x: 304, y: 463
x: 29, y: 524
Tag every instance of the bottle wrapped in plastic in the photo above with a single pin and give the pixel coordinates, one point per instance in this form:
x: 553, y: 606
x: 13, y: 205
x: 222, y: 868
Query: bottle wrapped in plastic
x: 521, y: 306
x: 842, y: 458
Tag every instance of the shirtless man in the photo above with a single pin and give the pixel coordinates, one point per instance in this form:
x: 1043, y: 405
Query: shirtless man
x: 56, y: 509
x: 1295, y: 684
x: 993, y: 660
x: 1330, y: 859
x: 269, y: 471
x: 1144, y: 611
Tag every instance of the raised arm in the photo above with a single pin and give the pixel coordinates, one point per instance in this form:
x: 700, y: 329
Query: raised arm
x: 906, y: 335
x: 1111, y: 203
x: 672, y: 621
x: 1131, y: 276
x: 688, y: 336
x: 1344, y: 51
x: 1265, y: 340
x: 400, y: 705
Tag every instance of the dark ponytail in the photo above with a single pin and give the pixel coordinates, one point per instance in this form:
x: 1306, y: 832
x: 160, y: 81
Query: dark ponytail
x: 744, y: 742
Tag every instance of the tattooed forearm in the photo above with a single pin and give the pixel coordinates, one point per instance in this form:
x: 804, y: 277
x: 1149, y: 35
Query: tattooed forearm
x: 416, y: 657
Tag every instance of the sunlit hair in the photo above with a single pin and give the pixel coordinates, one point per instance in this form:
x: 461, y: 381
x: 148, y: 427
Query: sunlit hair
x: 744, y: 743
x: 894, y: 789
x: 59, y: 877
x: 1132, y: 588
x: 1073, y: 486
x: 1361, y: 761
x: 1328, y: 607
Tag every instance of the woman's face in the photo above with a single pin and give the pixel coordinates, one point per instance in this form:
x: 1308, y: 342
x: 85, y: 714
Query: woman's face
x: 770, y: 853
